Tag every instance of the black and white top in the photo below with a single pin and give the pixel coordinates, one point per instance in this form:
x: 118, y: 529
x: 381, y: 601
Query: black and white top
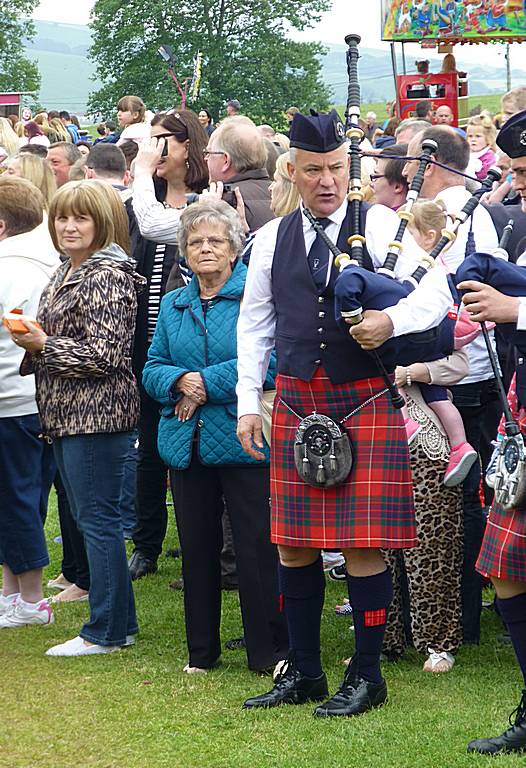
x: 154, y: 294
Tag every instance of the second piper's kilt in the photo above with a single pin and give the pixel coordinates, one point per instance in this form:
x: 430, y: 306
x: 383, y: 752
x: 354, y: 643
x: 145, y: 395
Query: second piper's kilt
x: 374, y: 506
x: 503, y: 551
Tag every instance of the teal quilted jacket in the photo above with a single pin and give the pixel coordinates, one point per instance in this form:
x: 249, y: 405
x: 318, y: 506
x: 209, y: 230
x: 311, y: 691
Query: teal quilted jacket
x: 184, y: 341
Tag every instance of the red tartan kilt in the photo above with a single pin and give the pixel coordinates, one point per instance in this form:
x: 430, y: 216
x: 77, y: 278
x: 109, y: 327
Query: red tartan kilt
x: 374, y: 507
x: 503, y: 551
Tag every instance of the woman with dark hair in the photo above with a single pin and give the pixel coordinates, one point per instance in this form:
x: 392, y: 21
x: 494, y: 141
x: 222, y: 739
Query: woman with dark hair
x: 35, y: 134
x: 169, y: 173
x: 206, y: 120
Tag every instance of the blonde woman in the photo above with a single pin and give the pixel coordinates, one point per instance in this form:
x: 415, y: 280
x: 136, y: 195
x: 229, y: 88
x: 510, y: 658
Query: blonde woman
x: 42, y: 121
x: 284, y: 197
x: 36, y: 170
x: 58, y: 131
x: 81, y: 355
x: 8, y: 138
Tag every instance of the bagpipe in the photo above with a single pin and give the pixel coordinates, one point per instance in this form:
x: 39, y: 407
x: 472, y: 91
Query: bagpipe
x: 510, y: 279
x: 357, y: 288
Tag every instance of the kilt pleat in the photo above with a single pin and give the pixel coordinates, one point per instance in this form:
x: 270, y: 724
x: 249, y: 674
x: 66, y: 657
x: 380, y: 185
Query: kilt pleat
x: 374, y: 507
x: 503, y: 551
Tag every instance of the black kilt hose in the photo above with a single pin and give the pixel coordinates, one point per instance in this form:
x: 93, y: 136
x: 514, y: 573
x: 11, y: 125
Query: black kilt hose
x: 374, y: 506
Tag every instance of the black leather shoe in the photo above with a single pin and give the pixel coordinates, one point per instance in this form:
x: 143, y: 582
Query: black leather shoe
x: 291, y: 687
x: 512, y: 740
x: 140, y: 566
x: 354, y: 696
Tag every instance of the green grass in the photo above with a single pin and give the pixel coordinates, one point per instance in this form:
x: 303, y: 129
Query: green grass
x: 136, y: 709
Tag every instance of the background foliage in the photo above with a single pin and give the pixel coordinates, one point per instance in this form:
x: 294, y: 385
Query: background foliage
x: 247, y: 53
x: 17, y: 73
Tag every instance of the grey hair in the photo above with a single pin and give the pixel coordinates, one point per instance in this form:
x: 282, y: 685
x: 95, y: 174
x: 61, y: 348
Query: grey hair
x: 415, y: 125
x: 242, y: 142
x: 71, y: 151
x: 211, y: 212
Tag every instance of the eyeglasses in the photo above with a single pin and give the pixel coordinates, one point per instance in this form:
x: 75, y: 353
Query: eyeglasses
x: 377, y: 176
x: 208, y: 152
x: 214, y: 242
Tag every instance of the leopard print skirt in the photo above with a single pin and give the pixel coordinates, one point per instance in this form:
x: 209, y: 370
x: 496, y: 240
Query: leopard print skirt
x: 433, y: 567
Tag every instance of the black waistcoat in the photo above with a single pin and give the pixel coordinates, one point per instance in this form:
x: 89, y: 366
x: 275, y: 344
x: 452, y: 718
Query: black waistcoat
x: 307, y: 334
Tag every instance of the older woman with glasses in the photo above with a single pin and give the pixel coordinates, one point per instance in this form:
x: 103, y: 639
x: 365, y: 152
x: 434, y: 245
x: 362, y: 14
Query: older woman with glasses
x: 192, y: 372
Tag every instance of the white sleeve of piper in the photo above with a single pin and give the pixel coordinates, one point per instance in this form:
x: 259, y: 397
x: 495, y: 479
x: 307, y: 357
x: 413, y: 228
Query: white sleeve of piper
x: 521, y: 320
x: 257, y: 322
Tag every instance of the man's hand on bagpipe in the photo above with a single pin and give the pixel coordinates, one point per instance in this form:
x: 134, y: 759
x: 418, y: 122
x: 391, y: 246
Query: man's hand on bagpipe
x: 374, y: 329
x: 483, y: 302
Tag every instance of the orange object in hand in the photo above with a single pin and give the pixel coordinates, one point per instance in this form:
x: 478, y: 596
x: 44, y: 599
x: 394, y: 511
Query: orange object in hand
x: 13, y: 321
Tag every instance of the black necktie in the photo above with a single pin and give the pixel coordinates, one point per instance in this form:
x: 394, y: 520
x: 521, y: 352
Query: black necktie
x: 319, y: 258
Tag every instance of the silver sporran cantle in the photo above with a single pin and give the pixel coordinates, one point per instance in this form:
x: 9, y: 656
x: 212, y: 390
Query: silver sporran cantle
x: 510, y: 477
x: 322, y: 451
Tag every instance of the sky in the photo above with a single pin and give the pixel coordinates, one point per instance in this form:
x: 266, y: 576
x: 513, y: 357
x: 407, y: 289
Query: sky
x: 359, y: 16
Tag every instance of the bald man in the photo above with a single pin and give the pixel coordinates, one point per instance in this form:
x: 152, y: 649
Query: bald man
x: 444, y: 116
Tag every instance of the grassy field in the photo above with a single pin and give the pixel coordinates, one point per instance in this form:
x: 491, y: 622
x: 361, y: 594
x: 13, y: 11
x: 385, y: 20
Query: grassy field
x: 136, y: 709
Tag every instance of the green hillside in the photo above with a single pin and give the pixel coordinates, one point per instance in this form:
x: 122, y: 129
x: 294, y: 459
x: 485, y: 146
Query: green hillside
x: 61, y: 52
x: 66, y: 79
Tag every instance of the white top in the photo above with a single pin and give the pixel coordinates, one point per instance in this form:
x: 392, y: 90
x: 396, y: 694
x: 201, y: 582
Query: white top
x: 155, y: 222
x: 419, y: 311
x: 42, y: 140
x: 26, y: 264
x: 138, y: 132
x: 486, y: 240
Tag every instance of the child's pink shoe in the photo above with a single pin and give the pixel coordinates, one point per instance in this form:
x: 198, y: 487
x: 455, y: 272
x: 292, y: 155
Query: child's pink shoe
x: 461, y: 459
x: 412, y: 429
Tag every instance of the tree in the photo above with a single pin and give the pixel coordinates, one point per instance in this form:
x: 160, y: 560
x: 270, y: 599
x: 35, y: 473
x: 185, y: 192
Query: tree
x: 247, y: 55
x: 17, y: 73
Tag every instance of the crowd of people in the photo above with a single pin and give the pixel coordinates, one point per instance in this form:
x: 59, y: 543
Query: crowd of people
x: 168, y: 322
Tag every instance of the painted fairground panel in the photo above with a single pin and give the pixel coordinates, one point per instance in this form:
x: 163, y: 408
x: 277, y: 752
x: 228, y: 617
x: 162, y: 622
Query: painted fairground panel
x: 459, y: 20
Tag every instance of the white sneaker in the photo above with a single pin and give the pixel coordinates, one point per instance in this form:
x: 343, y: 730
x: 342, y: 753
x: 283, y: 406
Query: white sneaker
x: 7, y: 602
x: 195, y: 670
x: 22, y: 614
x: 332, y: 559
x: 77, y: 647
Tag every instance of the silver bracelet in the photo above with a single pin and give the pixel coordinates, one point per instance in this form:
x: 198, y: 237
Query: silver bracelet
x: 408, y: 376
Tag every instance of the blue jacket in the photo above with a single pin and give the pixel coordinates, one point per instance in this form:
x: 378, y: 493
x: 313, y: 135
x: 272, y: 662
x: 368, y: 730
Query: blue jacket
x: 184, y: 341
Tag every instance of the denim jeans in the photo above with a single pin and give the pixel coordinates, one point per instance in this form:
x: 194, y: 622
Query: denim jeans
x: 480, y: 410
x: 25, y: 480
x: 128, y: 513
x: 92, y: 470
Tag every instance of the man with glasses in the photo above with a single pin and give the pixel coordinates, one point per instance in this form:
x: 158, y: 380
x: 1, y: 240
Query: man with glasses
x: 389, y: 185
x: 236, y: 157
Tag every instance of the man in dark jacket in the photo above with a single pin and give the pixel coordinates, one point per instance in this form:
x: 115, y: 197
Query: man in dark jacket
x: 236, y: 156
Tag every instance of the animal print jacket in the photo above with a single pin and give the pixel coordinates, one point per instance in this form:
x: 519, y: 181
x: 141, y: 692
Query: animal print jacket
x: 84, y: 379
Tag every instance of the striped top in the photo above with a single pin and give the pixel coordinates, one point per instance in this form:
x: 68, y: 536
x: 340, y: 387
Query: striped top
x: 154, y: 294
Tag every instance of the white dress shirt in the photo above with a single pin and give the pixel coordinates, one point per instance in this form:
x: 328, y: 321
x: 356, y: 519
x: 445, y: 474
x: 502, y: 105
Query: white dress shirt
x: 486, y: 240
x: 419, y: 311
